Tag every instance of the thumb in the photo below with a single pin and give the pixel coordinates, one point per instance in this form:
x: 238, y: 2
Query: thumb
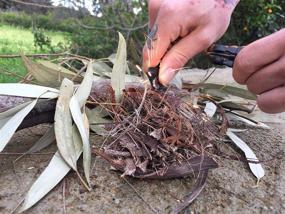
x: 182, y: 52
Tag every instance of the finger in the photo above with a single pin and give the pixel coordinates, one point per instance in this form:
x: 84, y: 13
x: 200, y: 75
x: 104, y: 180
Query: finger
x: 182, y: 52
x: 157, y: 43
x: 153, y: 8
x: 272, y: 101
x: 269, y: 77
x: 167, y: 29
x: 257, y: 55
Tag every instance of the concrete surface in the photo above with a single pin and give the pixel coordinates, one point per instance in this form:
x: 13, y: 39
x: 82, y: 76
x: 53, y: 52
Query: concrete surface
x: 230, y: 188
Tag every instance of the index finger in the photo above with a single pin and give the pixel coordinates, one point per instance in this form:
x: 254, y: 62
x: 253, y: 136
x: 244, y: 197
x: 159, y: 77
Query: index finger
x: 257, y: 55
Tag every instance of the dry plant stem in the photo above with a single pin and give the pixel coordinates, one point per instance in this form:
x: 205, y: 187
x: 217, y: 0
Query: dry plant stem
x: 146, y: 117
x: 148, y: 205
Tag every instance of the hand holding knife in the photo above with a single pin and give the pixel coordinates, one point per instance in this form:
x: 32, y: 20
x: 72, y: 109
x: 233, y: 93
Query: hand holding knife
x: 222, y: 55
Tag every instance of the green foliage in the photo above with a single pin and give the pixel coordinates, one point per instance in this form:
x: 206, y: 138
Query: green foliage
x: 41, y: 39
x: 97, y: 36
x: 37, y: 20
x: 14, y: 39
x: 254, y: 19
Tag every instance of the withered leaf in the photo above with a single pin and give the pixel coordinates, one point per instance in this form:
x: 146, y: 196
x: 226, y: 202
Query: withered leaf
x: 119, y: 68
x: 63, y: 124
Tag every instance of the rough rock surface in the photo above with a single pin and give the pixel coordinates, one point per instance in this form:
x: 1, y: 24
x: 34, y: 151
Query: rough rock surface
x: 230, y: 188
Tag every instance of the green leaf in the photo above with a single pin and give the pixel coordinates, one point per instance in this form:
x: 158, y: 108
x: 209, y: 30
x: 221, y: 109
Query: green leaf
x: 229, y: 90
x: 10, y: 127
x: 119, y: 68
x: 52, y: 175
x: 28, y: 90
x: 48, y: 73
x: 63, y: 124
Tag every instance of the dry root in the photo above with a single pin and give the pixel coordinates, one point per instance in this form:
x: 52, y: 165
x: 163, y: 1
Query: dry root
x: 157, y: 135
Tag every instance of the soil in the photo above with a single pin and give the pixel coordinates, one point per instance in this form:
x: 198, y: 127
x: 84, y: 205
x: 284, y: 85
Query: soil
x: 230, y: 189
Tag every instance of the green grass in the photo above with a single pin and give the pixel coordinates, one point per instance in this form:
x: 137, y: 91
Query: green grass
x: 12, y: 41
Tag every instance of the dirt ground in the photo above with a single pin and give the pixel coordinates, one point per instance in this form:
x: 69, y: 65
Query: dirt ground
x: 230, y: 189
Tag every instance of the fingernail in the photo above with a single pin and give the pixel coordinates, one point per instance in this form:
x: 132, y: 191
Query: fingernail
x: 165, y: 76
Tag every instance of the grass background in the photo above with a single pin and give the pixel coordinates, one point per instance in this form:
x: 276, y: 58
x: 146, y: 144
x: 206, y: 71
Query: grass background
x: 15, y: 39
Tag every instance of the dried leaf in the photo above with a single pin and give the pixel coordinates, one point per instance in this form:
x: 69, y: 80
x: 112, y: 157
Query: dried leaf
x: 198, y: 187
x: 235, y: 106
x: 130, y: 167
x: 79, y: 121
x: 225, y: 89
x: 96, y: 118
x: 48, y: 73
x: 255, y: 168
x: 112, y: 59
x: 102, y: 69
x: 210, y: 109
x: 119, y: 68
x: 63, y: 124
x: 47, y: 139
x: 11, y: 112
x: 77, y: 106
x: 84, y: 89
x: 3, y: 121
x: 52, y: 175
x: 181, y: 170
x: 28, y: 90
x: 248, y: 121
x: 10, y: 127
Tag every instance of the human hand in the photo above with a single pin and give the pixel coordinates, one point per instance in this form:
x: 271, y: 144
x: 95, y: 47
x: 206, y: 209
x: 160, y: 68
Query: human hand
x: 192, y: 24
x: 261, y: 66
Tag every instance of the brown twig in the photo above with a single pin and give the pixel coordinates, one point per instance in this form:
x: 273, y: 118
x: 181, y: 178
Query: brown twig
x: 133, y: 188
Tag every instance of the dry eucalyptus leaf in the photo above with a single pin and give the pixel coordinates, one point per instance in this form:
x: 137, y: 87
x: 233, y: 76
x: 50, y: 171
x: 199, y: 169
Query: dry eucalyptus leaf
x: 47, y: 139
x: 79, y: 121
x: 84, y: 88
x: 210, y: 109
x: 52, y: 175
x: 48, y: 73
x: 3, y: 121
x: 77, y: 106
x: 10, y: 127
x: 28, y: 90
x: 119, y: 68
x: 96, y: 118
x: 255, y: 168
x: 11, y: 112
x: 226, y: 90
x: 63, y: 124
x: 102, y: 69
